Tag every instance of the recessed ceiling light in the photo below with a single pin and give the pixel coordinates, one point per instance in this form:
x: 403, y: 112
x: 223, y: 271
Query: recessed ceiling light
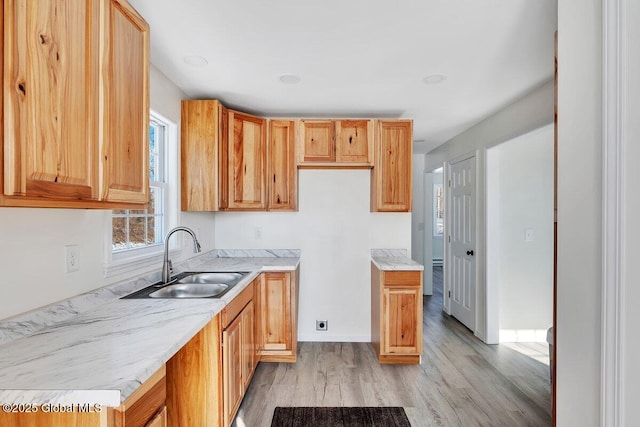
x: 289, y: 79
x: 434, y: 79
x: 195, y: 60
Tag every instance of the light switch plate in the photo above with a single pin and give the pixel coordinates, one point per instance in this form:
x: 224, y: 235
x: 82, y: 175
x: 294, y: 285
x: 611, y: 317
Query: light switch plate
x: 528, y: 234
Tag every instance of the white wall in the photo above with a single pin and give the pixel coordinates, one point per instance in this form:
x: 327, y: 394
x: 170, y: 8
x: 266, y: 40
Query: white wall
x: 165, y: 99
x: 417, y: 216
x: 33, y: 239
x: 532, y: 111
x: 335, y: 231
x: 525, y: 202
x: 631, y: 317
x: 579, y: 212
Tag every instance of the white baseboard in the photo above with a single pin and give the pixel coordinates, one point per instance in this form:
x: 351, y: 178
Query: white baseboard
x: 523, y: 335
x: 333, y: 338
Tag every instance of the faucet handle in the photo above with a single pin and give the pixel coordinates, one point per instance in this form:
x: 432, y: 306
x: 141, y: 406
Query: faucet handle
x: 169, y: 268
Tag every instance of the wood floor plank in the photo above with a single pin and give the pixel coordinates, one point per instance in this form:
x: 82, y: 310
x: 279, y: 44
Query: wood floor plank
x: 461, y: 381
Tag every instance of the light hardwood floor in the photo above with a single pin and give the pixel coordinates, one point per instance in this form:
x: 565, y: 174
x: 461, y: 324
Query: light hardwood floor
x: 461, y: 381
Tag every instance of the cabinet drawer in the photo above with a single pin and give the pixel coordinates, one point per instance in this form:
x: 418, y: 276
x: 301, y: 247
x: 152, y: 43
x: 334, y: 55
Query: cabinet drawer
x: 234, y: 308
x: 402, y: 278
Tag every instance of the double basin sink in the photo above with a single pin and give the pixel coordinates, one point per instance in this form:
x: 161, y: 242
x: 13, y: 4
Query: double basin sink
x: 192, y: 285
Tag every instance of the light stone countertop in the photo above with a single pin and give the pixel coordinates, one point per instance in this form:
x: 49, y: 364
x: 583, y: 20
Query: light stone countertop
x: 394, y: 260
x: 97, y: 348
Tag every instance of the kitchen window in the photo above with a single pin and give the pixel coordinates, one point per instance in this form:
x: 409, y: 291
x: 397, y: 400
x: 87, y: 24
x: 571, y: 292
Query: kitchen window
x: 136, y: 235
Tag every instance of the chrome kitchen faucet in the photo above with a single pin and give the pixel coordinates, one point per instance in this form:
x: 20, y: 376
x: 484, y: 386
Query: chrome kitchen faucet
x: 167, y: 268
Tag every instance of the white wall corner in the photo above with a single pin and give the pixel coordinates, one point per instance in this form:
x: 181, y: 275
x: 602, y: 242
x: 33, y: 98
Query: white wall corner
x: 613, y: 289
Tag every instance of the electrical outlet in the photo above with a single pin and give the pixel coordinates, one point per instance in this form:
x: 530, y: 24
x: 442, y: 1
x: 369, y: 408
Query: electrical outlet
x: 322, y: 325
x: 258, y: 233
x: 528, y: 234
x: 72, y: 256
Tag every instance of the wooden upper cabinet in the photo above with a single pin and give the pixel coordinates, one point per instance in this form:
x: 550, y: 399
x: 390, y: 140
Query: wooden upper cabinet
x: 335, y: 143
x: 353, y: 141
x: 76, y: 110
x: 245, y: 182
x: 51, y: 86
x: 391, y: 175
x: 202, y: 134
x: 126, y: 115
x: 316, y: 140
x: 282, y: 175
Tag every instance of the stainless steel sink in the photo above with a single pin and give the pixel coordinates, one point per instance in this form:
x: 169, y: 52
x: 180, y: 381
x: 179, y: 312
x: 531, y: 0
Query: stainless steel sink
x: 190, y: 290
x: 210, y: 284
x: 216, y: 277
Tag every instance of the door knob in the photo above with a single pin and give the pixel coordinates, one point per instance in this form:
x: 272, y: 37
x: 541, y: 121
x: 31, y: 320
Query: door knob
x: 470, y: 252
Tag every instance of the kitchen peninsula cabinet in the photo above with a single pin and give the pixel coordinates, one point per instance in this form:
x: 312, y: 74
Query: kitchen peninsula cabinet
x: 244, y: 154
x: 335, y: 143
x: 277, y: 296
x: 282, y: 175
x: 76, y: 100
x: 391, y: 175
x: 396, y: 315
x: 145, y: 407
x: 209, y: 376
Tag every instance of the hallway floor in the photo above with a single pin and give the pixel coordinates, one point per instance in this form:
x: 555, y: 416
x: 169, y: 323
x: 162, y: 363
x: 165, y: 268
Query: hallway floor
x: 461, y: 381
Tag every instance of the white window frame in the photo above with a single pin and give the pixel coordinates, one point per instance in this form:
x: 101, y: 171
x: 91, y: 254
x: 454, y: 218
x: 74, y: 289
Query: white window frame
x: 127, y: 260
x: 435, y: 209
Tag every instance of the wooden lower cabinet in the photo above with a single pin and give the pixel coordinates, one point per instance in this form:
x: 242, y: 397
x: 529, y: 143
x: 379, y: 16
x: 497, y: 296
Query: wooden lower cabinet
x: 209, y: 376
x: 396, y: 315
x: 194, y: 380
x: 204, y: 382
x: 277, y: 296
x: 146, y: 407
x: 238, y: 360
x: 160, y: 420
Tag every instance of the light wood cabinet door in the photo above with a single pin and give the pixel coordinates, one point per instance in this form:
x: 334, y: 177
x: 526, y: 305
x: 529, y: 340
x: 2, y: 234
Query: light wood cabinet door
x: 245, y: 181
x: 249, y: 354
x: 51, y: 86
x: 396, y: 315
x: 402, y: 332
x: 232, y: 367
x: 316, y: 141
x: 282, y: 173
x: 275, y: 311
x: 354, y: 141
x: 201, y: 136
x: 125, y: 148
x: 144, y: 405
x: 391, y: 175
x: 160, y: 420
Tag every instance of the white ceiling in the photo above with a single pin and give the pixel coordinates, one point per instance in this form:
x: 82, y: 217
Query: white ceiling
x: 358, y: 58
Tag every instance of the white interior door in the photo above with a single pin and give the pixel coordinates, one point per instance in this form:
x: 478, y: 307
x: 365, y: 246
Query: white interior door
x: 462, y: 241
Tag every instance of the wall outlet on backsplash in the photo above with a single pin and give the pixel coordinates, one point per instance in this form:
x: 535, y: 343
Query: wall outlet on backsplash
x: 72, y: 258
